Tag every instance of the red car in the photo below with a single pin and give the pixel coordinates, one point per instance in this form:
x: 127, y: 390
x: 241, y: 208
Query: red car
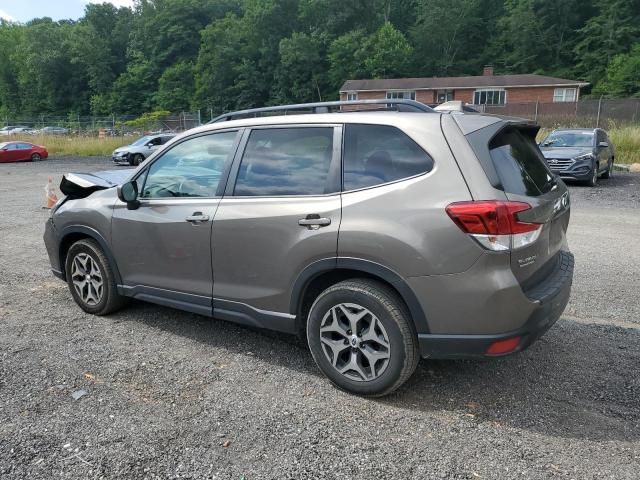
x: 21, y: 151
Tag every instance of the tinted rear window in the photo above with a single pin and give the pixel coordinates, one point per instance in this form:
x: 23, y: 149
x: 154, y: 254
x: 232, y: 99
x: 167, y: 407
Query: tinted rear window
x: 519, y: 164
x: 377, y: 154
x: 286, y: 161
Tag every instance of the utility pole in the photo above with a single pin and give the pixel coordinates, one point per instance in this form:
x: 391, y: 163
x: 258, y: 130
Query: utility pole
x: 599, y: 110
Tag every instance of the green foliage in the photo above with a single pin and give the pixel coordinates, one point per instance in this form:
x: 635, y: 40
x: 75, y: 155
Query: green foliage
x: 613, y: 30
x: 346, y: 57
x: 148, y: 119
x: 175, y: 88
x: 388, y: 53
x: 450, y: 36
x: 227, y: 54
x: 622, y: 76
x: 302, y: 71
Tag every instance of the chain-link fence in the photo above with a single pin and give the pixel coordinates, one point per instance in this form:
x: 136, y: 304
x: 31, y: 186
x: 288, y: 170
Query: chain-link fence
x: 113, y: 125
x: 590, y: 113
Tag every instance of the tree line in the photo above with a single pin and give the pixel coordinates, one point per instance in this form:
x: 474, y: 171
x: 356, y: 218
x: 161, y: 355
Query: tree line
x: 228, y: 54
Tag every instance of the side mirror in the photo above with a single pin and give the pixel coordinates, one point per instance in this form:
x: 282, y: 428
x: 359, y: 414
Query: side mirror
x: 128, y: 193
x: 603, y: 144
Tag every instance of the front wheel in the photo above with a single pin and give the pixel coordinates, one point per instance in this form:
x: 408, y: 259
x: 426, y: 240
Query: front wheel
x: 137, y: 160
x: 609, y: 172
x: 36, y: 157
x: 361, y: 336
x: 593, y: 181
x: 91, y: 279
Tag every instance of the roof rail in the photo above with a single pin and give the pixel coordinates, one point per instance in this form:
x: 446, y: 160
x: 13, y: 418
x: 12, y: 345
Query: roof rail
x: 401, y: 105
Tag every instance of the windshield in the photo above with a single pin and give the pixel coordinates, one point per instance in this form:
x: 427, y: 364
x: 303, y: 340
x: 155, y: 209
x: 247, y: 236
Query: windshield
x: 569, y: 138
x: 2, y: 145
x: 141, y: 141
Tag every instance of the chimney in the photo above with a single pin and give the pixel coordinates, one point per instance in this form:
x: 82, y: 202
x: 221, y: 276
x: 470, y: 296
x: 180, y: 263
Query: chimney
x: 488, y: 71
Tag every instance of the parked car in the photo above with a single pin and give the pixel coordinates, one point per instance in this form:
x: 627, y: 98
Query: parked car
x: 53, y: 131
x: 583, y: 154
x: 21, y: 151
x: 135, y: 153
x: 9, y: 130
x: 22, y: 130
x: 378, y: 236
x: 454, y: 106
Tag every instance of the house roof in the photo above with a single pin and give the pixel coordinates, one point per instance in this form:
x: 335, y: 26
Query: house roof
x: 480, y: 81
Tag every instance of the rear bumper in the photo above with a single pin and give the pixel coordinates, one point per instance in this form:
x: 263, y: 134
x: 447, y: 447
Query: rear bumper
x: 550, y: 299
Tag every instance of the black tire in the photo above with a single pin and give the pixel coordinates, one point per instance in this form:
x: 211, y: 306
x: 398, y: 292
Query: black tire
x: 609, y: 172
x: 593, y: 180
x: 391, y: 312
x: 109, y: 300
x: 137, y: 160
x: 36, y: 157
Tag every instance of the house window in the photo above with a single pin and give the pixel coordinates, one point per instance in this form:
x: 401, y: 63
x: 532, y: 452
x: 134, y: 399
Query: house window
x: 352, y: 96
x: 565, y: 94
x: 407, y: 95
x: 445, y: 96
x: 490, y: 97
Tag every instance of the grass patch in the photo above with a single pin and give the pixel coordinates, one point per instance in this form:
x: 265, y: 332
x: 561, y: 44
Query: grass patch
x: 626, y: 141
x: 61, y: 145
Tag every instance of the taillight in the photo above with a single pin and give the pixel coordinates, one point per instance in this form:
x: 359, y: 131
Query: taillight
x: 494, y: 224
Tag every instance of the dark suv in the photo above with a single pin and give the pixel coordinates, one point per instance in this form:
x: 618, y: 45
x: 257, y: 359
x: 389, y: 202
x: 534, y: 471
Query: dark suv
x: 380, y: 236
x: 584, y: 154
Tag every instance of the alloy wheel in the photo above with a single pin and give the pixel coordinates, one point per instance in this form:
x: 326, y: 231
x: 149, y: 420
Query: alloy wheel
x: 355, y: 342
x: 87, y: 279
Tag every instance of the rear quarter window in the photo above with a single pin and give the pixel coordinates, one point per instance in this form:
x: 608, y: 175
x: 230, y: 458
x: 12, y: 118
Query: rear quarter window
x: 377, y: 154
x: 519, y: 164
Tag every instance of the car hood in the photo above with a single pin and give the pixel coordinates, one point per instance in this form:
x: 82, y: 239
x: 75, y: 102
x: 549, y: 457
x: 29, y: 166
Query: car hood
x: 124, y: 148
x: 80, y: 185
x: 564, y: 152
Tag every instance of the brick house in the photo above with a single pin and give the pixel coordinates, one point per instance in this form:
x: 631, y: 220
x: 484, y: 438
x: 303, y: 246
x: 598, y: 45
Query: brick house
x: 486, y: 89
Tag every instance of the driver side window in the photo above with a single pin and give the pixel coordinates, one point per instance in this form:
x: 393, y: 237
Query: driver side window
x: 192, y: 168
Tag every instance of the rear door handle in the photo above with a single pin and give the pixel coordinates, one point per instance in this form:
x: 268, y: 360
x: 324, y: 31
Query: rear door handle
x: 314, y: 221
x: 197, y: 217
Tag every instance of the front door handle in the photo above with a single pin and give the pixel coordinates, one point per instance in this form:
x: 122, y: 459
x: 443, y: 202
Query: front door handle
x: 197, y: 217
x: 314, y: 221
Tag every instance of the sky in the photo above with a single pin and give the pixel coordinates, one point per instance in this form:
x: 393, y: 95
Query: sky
x: 25, y: 10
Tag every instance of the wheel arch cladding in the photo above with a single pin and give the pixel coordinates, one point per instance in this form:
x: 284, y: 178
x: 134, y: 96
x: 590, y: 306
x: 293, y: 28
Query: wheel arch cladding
x: 323, y: 273
x: 72, y: 234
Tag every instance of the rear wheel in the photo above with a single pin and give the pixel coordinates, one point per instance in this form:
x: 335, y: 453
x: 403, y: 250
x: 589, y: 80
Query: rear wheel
x: 36, y: 157
x: 91, y: 279
x: 361, y: 336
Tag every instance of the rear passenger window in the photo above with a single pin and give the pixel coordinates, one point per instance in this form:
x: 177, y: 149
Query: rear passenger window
x: 376, y: 154
x: 519, y: 164
x: 286, y: 161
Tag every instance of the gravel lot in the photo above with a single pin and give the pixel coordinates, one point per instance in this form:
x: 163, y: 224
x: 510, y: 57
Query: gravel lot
x: 174, y: 395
